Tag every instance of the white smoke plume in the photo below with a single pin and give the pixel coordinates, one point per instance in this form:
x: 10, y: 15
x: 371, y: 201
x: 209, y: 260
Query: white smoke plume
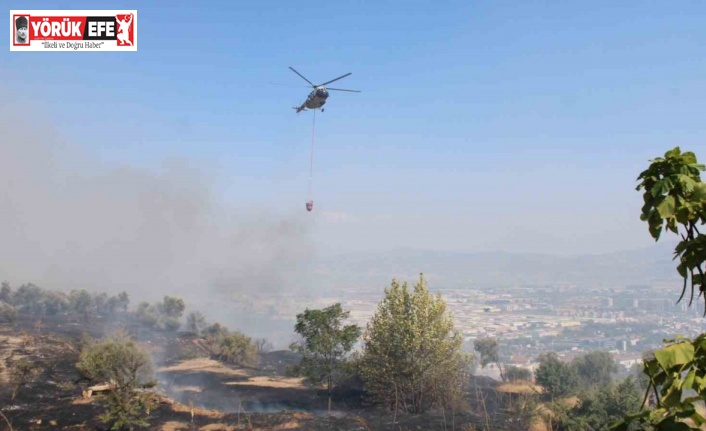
x: 69, y: 220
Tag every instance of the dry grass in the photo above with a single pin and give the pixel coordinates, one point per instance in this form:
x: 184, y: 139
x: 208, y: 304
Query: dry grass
x: 570, y: 402
x: 15, y: 341
x: 205, y: 365
x: 520, y: 388
x: 272, y: 382
x: 218, y: 427
x: 290, y: 425
x: 361, y: 422
x: 9, y: 347
x: 81, y: 401
x: 188, y: 388
x: 175, y: 426
x: 538, y: 424
x: 544, y: 413
x: 181, y: 408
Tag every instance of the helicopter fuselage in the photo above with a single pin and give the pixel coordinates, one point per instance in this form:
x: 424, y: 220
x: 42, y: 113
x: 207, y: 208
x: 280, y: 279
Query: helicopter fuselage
x: 315, y: 100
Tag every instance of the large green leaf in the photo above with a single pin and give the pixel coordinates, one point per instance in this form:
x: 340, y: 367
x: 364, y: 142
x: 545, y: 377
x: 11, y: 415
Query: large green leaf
x: 689, y: 380
x: 688, y: 157
x: 624, y: 424
x: 699, y: 193
x: 700, y: 383
x: 687, y: 183
x: 675, y: 356
x: 674, y: 152
x: 673, y: 396
x: 662, y: 187
x: 667, y: 207
x: 670, y: 424
x: 700, y: 343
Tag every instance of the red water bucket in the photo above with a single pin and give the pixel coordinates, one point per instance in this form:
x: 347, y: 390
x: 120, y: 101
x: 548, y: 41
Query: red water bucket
x: 309, y: 205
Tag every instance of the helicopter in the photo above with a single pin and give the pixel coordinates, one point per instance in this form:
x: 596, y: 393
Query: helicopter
x: 317, y: 97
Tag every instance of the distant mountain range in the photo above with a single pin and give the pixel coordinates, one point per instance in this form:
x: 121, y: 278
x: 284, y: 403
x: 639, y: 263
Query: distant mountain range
x: 445, y: 270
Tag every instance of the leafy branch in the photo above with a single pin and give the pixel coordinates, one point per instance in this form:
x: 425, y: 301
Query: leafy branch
x: 674, y: 198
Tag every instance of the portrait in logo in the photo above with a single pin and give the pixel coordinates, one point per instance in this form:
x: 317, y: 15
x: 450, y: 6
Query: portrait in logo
x: 125, y: 36
x: 21, y: 30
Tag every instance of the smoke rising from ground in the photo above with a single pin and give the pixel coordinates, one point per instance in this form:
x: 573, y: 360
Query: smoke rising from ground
x: 68, y: 220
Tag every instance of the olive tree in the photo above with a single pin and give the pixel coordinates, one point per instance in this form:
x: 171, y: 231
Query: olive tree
x: 120, y: 362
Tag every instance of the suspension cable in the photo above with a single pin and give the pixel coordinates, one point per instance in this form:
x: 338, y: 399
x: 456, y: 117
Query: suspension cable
x: 311, y: 160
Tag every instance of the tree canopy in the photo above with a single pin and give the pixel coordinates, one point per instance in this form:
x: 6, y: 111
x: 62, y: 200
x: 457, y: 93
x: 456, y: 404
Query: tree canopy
x: 326, y: 342
x: 119, y: 361
x: 556, y: 377
x: 488, y: 350
x: 595, y: 368
x: 412, y: 358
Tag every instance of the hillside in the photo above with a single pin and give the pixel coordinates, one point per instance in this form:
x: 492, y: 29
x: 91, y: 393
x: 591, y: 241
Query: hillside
x: 195, y: 391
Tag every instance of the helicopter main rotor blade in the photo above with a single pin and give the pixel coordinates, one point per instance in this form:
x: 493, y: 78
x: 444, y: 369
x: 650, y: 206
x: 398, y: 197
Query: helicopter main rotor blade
x: 289, y: 85
x: 343, y: 76
x: 301, y: 76
x: 341, y: 89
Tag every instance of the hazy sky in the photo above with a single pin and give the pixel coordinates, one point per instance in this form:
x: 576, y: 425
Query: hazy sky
x: 482, y: 125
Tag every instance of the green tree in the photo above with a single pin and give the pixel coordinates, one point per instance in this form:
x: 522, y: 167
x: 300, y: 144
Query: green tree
x: 123, y: 301
x: 55, y: 303
x: 8, y: 314
x: 21, y: 372
x: 172, y: 307
x: 119, y: 361
x: 214, y: 331
x: 6, y: 293
x: 195, y: 322
x: 100, y: 301
x: 147, y: 314
x: 595, y: 368
x: 112, y: 305
x: 162, y: 315
x: 170, y: 310
x: 412, y: 358
x: 237, y: 348
x: 675, y: 200
x: 82, y: 303
x: 28, y: 297
x: 514, y: 374
x: 558, y: 378
x: 488, y: 349
x: 643, y: 381
x: 599, y: 405
x: 263, y: 346
x: 325, y: 346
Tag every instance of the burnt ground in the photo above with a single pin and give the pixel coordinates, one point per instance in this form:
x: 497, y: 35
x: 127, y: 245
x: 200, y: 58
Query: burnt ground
x: 221, y: 397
